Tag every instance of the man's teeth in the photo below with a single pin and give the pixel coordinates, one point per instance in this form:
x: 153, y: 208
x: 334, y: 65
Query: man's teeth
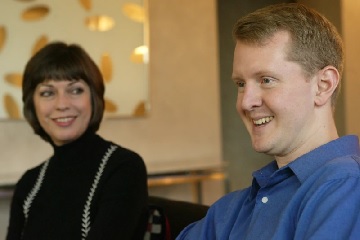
x: 63, y: 119
x: 263, y: 120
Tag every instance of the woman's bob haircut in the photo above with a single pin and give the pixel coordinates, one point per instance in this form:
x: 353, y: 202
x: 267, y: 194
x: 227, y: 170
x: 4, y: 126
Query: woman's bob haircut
x: 60, y: 61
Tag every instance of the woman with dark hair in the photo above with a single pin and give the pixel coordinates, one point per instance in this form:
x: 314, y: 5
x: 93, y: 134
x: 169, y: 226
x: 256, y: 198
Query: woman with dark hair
x: 90, y: 188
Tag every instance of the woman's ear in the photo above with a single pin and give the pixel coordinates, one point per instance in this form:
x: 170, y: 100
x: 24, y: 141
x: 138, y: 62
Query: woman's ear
x: 328, y: 80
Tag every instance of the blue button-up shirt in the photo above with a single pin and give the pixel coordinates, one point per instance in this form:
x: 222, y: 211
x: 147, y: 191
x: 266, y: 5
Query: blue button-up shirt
x: 317, y: 196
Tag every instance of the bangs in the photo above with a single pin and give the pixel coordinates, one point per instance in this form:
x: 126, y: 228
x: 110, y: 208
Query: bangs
x: 59, y: 72
x: 61, y: 69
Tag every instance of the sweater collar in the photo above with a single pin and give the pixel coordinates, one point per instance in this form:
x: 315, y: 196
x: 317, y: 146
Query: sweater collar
x: 75, y: 148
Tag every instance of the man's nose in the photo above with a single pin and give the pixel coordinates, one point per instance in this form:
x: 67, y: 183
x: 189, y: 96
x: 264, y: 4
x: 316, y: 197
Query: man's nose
x: 250, y: 98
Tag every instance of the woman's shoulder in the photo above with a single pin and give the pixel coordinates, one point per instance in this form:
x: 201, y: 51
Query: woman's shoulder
x: 126, y: 154
x: 121, y: 156
x: 120, y: 150
x: 29, y: 177
x: 34, y: 171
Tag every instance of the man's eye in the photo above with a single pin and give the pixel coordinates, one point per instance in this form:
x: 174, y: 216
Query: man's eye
x: 266, y: 80
x: 240, y: 84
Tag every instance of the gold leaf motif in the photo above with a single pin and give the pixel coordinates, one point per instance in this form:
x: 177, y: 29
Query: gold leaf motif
x: 139, y: 55
x: 35, y: 13
x: 100, y: 23
x: 40, y: 43
x: 136, y: 58
x: 106, y: 67
x: 134, y: 11
x: 140, y: 110
x: 86, y: 4
x: 110, y: 106
x: 11, y: 107
x: 2, y: 37
x: 14, y: 79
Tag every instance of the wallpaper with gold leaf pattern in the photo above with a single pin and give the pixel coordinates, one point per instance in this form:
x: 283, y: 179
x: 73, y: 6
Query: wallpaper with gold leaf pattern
x: 113, y: 32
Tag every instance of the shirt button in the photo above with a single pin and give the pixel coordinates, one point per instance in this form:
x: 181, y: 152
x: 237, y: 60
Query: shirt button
x: 264, y: 199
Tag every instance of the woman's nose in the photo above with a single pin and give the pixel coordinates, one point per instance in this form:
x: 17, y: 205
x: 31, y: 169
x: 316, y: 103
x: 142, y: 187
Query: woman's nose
x: 62, y: 101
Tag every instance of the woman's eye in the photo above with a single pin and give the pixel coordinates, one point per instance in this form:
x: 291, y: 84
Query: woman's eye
x: 46, y: 93
x: 77, y: 90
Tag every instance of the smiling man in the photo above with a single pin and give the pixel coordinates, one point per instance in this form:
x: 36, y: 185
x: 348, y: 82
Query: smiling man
x: 287, y: 67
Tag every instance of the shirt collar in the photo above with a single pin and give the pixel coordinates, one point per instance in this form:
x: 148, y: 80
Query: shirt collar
x: 305, y: 165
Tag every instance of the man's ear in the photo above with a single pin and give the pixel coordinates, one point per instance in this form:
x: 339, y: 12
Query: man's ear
x: 328, y: 80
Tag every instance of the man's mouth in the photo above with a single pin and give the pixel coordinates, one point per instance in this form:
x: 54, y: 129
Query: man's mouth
x: 262, y: 121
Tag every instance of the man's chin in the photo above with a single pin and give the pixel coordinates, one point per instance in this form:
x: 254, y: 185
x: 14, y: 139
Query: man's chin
x: 261, y: 148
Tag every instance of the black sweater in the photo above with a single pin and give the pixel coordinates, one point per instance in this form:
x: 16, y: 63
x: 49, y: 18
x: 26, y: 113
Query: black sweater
x: 118, y: 206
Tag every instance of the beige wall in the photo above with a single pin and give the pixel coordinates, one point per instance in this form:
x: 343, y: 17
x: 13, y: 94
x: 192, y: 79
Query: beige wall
x: 184, y: 120
x: 350, y: 24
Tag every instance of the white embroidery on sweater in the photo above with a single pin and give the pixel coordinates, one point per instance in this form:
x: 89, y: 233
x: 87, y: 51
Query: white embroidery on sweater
x: 86, y: 213
x: 30, y: 197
